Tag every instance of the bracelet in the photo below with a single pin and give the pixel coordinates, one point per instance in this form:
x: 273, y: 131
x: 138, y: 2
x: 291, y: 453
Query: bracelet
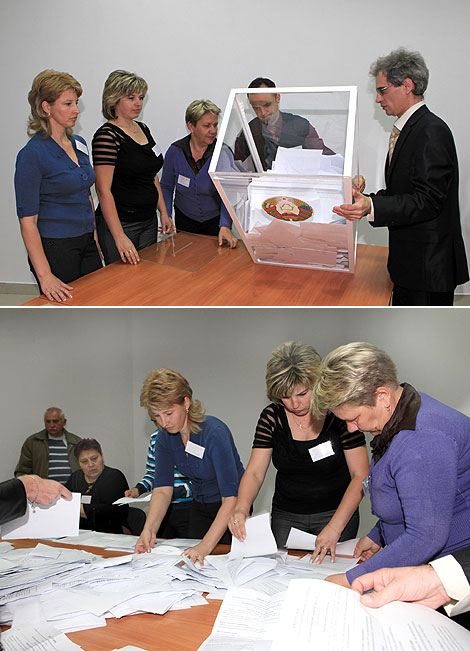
x: 33, y: 501
x: 338, y: 533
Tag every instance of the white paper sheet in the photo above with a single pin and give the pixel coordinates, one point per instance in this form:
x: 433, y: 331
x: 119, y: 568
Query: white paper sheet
x: 259, y: 539
x: 36, y: 638
x: 298, y: 539
x: 145, y: 497
x: 58, y: 519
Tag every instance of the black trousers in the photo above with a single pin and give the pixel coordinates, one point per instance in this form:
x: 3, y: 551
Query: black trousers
x: 201, y: 516
x: 141, y: 234
x: 175, y: 523
x: 70, y: 257
x: 183, y: 223
x: 403, y: 296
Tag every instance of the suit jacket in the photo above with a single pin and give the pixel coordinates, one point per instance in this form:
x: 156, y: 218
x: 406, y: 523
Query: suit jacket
x: 420, y: 207
x: 463, y: 557
x: 12, y: 500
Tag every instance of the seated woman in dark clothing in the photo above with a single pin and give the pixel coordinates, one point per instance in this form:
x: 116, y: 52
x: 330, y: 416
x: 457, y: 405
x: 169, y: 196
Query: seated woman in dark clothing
x: 100, y: 486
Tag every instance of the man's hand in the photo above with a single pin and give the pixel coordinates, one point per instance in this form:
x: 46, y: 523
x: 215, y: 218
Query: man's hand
x: 43, y: 491
x: 355, y: 211
x: 419, y: 585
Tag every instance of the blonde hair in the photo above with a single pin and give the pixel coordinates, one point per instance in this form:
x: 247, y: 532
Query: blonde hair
x: 163, y: 388
x: 47, y: 86
x: 198, y: 108
x: 120, y: 83
x: 351, y: 374
x: 292, y: 363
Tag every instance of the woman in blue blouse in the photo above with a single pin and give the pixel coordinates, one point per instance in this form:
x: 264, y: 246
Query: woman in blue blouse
x: 52, y: 183
x: 202, y: 448
x: 198, y: 206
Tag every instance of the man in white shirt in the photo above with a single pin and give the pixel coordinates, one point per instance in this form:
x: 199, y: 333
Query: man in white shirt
x: 420, y: 204
x: 444, y: 582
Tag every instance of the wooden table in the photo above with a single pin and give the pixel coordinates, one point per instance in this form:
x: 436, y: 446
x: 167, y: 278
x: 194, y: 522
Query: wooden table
x: 228, y: 277
x: 176, y: 630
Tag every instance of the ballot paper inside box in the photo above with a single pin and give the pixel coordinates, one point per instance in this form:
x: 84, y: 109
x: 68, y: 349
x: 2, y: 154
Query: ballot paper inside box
x: 280, y: 179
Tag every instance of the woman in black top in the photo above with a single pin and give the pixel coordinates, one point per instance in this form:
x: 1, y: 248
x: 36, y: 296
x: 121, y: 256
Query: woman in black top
x: 100, y: 487
x: 127, y: 161
x: 320, y: 466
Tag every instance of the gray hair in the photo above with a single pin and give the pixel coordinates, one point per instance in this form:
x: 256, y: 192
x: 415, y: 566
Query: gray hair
x: 120, y: 83
x: 60, y: 412
x: 351, y: 374
x: 198, y: 108
x: 400, y: 65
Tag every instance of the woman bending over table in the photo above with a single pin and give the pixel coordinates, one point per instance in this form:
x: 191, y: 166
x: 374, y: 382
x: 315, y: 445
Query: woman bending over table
x: 419, y: 480
x: 320, y: 465
x: 202, y: 448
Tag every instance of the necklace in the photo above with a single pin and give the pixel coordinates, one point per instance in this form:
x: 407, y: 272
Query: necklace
x: 299, y: 425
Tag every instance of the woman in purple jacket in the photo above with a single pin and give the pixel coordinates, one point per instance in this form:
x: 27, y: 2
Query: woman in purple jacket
x: 198, y: 207
x: 419, y: 480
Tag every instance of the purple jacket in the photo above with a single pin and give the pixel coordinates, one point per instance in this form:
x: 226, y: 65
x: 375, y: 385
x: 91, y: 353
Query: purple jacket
x: 420, y: 491
x: 198, y: 199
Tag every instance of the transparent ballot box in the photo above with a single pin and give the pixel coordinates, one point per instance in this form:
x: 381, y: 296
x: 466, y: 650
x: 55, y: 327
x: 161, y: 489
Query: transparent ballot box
x: 284, y: 157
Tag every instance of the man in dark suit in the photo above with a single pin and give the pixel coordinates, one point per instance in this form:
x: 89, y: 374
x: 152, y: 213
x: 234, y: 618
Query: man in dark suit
x: 444, y: 582
x: 272, y: 128
x: 420, y: 205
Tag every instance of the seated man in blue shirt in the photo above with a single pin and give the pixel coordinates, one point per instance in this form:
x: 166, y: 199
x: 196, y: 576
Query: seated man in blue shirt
x: 272, y: 128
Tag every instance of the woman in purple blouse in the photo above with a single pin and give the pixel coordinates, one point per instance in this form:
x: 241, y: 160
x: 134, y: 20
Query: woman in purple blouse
x: 419, y: 480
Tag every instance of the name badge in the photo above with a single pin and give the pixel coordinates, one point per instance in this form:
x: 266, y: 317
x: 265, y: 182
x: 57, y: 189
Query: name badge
x: 81, y: 147
x: 86, y: 499
x: 183, y: 180
x: 365, y: 485
x: 321, y: 451
x: 156, y: 150
x: 194, y: 449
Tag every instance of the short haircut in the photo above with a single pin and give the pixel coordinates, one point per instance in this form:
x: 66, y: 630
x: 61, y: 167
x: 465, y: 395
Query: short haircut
x: 120, y: 83
x: 198, y: 108
x: 48, y: 86
x: 61, y: 413
x: 87, y: 444
x: 259, y: 82
x: 163, y: 388
x: 292, y: 363
x: 400, y: 65
x: 351, y: 374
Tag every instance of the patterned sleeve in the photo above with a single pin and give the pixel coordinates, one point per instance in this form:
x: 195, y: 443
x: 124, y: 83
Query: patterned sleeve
x: 105, y: 146
x: 146, y: 483
x: 351, y: 440
x: 264, y: 429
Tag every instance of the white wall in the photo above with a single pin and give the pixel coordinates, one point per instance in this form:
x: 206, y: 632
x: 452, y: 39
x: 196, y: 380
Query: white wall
x: 191, y: 49
x: 91, y: 362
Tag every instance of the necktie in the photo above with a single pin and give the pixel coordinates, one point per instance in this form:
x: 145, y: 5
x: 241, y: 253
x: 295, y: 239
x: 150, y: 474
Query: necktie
x: 391, y: 143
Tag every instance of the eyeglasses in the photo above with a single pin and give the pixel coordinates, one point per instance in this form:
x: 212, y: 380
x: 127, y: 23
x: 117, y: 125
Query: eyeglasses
x: 381, y: 90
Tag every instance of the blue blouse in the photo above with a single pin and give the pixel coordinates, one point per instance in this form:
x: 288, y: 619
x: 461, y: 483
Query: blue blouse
x: 49, y: 184
x: 214, y: 476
